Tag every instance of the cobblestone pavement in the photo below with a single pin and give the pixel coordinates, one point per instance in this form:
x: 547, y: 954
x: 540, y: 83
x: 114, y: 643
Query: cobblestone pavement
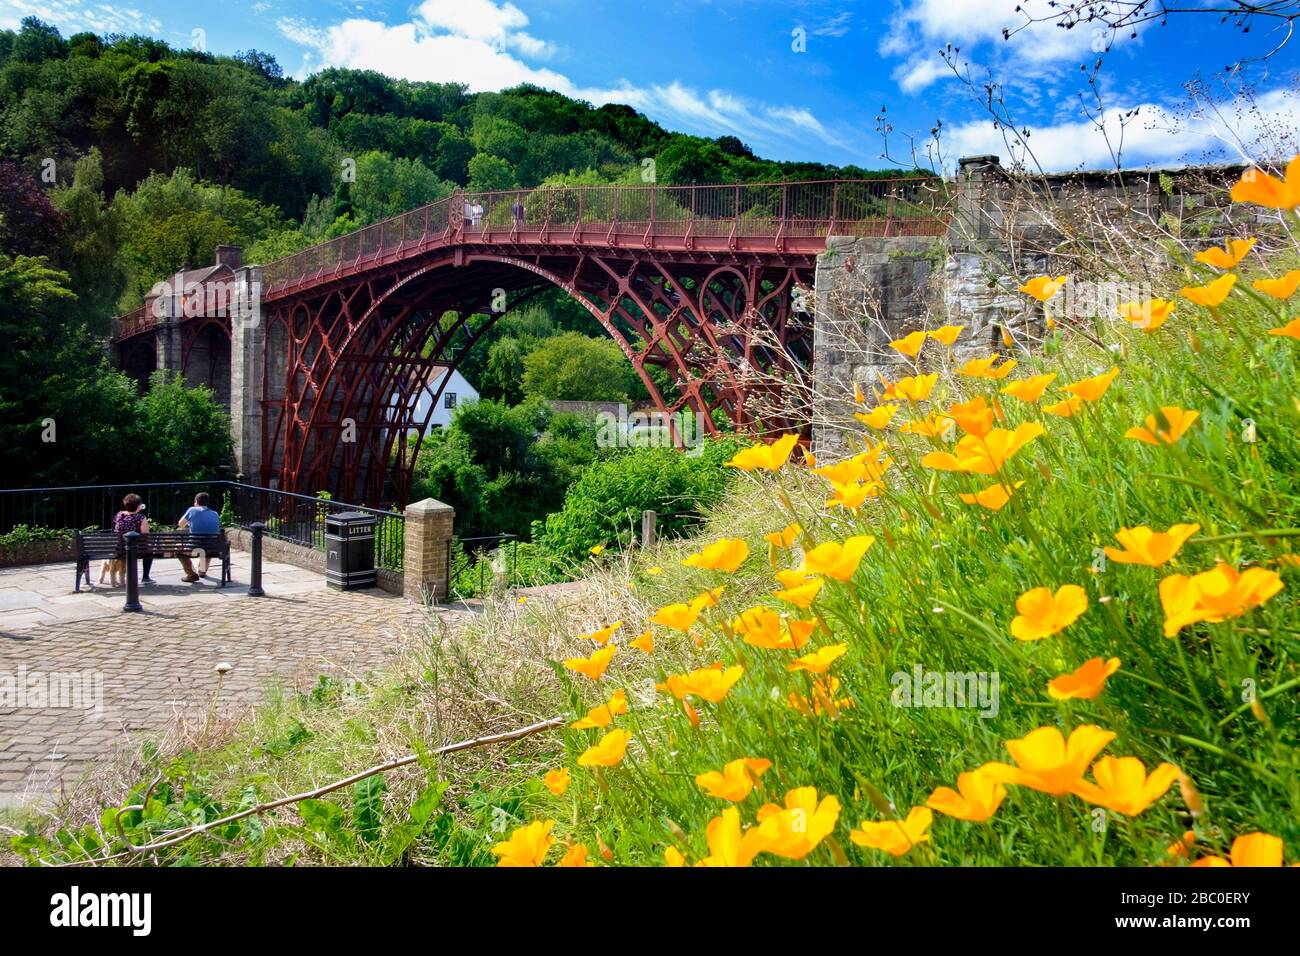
x: 126, y: 676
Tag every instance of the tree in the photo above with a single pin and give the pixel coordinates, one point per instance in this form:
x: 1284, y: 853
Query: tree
x: 93, y: 236
x: 503, y: 376
x: 29, y: 222
x: 573, y: 367
x: 488, y: 173
x: 183, y: 433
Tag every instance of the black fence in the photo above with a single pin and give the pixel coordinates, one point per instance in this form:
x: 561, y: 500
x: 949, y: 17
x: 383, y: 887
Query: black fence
x: 478, y: 563
x: 299, y: 519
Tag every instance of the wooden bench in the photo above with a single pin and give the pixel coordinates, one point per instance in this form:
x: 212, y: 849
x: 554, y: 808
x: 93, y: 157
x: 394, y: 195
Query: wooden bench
x: 156, y: 544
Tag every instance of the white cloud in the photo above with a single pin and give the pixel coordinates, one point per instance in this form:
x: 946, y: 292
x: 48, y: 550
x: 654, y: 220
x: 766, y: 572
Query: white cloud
x: 1239, y: 129
x: 72, y: 17
x: 918, y: 30
x: 484, y: 45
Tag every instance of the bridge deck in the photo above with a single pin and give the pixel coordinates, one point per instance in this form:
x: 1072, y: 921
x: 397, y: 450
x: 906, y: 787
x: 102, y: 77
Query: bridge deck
x: 756, y: 218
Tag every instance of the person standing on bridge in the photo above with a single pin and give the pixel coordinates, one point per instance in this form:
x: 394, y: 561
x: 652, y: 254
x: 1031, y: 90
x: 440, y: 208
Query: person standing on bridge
x: 518, y: 210
x: 467, y: 212
x: 476, y: 215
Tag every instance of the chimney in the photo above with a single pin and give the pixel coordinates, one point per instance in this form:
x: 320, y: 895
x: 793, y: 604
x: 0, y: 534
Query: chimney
x: 232, y: 256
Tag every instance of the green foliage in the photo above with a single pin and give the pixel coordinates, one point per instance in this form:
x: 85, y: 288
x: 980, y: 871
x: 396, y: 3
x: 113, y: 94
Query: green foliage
x: 185, y: 431
x: 604, y: 506
x: 576, y: 367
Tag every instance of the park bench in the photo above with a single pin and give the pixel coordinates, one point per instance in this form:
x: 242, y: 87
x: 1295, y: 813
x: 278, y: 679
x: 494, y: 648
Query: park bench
x: 156, y: 544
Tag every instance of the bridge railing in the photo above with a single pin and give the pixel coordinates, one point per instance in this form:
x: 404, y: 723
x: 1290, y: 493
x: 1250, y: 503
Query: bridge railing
x: 637, y: 214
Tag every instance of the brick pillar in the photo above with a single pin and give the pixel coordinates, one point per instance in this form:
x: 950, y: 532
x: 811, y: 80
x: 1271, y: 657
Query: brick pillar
x: 426, y: 565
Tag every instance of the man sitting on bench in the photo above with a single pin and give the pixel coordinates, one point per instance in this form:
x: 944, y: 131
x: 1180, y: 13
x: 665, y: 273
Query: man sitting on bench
x: 199, y: 519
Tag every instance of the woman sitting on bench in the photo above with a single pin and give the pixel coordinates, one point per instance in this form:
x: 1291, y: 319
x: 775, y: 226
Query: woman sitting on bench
x: 130, y: 518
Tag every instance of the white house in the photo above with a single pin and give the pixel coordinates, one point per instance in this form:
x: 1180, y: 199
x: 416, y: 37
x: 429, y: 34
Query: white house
x: 457, y: 392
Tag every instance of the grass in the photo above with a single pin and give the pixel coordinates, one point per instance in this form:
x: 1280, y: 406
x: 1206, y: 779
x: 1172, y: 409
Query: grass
x: 937, y: 590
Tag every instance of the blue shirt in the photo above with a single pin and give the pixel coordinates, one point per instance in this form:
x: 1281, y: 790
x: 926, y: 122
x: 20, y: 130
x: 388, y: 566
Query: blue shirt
x: 203, y: 520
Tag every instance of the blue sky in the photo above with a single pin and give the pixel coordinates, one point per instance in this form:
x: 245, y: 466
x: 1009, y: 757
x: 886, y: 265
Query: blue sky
x: 800, y: 79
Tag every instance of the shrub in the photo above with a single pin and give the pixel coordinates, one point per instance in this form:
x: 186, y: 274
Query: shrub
x: 604, y: 506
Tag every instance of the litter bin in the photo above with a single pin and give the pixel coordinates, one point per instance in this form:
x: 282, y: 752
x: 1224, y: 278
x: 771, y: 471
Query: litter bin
x: 350, y: 550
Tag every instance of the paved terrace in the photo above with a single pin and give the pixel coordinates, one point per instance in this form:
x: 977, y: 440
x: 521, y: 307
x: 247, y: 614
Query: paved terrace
x: 160, y: 665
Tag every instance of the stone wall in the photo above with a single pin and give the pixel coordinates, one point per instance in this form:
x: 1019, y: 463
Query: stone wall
x: 867, y: 291
x: 1097, y: 228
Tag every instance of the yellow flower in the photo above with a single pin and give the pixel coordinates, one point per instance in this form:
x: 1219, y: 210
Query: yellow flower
x: 932, y: 426
x: 1147, y: 316
x: 1123, y: 785
x: 1091, y: 389
x: 851, y: 495
x: 577, y: 856
x: 1170, y: 427
x: 837, y: 560
x: 895, y: 837
x: 607, y: 752
x: 655, y: 570
x: 594, y: 666
x: 707, y: 683
x: 1291, y: 329
x: 823, y: 699
x: 1233, y: 251
x: 725, y: 555
x: 1282, y: 288
x: 762, y: 627
x: 1066, y: 408
x: 1212, y: 293
x: 728, y: 846
x: 1043, y: 288
x: 947, y: 334
x: 976, y: 799
x: 527, y: 846
x: 673, y: 857
x: 643, y: 642
x: 1043, y: 613
x: 769, y: 457
x: 820, y: 660
x: 983, y: 368
x: 916, y: 388
x: 878, y: 418
x: 679, y: 617
x: 1215, y: 595
x: 595, y: 550
x: 785, y: 537
x: 994, y: 497
x: 1029, y: 389
x: 1250, y: 849
x: 1152, y: 548
x: 1046, y: 761
x: 984, y: 456
x: 603, y: 715
x: 1262, y: 189
x: 801, y: 595
x: 1085, y: 682
x: 909, y: 345
x: 557, y: 781
x: 736, y: 781
x: 793, y: 831
x: 974, y: 417
x: 604, y: 634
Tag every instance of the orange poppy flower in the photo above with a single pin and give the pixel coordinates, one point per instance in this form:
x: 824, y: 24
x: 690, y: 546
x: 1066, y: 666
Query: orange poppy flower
x: 1085, y: 682
x: 1213, y: 293
x: 1233, y: 251
x: 1262, y: 189
x: 1173, y: 424
x: 1043, y: 613
x: 1091, y: 389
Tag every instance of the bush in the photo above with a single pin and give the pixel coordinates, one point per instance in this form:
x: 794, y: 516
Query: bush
x: 604, y: 506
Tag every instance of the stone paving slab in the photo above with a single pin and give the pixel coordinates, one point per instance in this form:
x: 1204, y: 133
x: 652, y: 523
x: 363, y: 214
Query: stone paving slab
x: 126, y: 676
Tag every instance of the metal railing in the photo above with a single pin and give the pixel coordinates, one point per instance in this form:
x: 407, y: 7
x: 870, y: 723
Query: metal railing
x: 633, y: 215
x: 299, y: 519
x: 476, y: 564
